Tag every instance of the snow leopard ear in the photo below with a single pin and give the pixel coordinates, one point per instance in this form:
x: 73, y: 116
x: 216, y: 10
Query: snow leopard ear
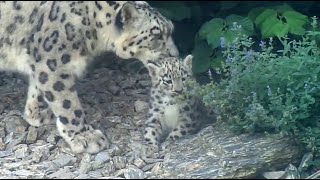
x: 129, y: 13
x: 153, y: 68
x: 187, y: 62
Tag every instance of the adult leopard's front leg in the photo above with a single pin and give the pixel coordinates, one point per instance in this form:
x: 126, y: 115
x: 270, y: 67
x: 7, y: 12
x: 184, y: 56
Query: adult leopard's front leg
x: 65, y: 104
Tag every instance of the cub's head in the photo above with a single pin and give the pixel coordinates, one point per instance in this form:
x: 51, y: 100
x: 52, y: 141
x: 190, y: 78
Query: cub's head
x: 144, y: 32
x: 170, y: 73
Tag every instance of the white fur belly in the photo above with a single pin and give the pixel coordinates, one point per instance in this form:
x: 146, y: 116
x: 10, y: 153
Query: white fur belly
x: 171, y: 114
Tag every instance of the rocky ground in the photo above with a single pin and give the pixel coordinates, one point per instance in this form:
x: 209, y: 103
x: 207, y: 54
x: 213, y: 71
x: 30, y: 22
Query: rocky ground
x: 114, y: 95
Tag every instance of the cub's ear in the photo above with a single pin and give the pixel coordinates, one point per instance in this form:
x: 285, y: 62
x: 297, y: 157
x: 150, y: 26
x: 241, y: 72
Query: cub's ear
x: 187, y: 62
x: 129, y: 13
x: 152, y: 68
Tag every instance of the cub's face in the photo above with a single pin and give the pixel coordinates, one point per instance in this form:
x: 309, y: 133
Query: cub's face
x: 170, y: 73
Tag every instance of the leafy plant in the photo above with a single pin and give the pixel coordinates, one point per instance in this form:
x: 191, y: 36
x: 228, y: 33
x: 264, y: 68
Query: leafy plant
x: 270, y: 90
x: 280, y: 21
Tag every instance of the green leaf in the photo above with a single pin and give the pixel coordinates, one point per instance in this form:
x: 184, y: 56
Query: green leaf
x: 296, y: 21
x: 273, y: 27
x: 202, y: 57
x: 210, y: 26
x: 213, y: 38
x: 255, y: 12
x: 245, y: 22
x: 265, y: 16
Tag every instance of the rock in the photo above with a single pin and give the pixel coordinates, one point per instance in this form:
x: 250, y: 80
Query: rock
x: 157, y: 167
x: 2, y: 132
x: 64, y: 160
x: 133, y: 172
x: 22, y: 151
x: 51, y: 139
x: 148, y: 167
x: 114, y: 89
x: 95, y: 174
x: 128, y: 83
x: 114, y: 150
x: 32, y: 135
x: 218, y: 153
x: 102, y: 157
x: 140, y: 106
x: 5, y: 153
x: 2, y: 145
x: 109, y: 169
x: 139, y: 163
x: 13, y: 139
x: 15, y: 124
x: 119, y: 162
x: 62, y: 174
x: 145, y: 83
x: 85, y: 165
x: 82, y: 176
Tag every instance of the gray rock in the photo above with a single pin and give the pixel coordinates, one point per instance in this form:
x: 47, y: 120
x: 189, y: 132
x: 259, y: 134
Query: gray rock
x: 133, y: 172
x: 128, y: 83
x: 148, y: 167
x: 145, y: 83
x: 2, y: 145
x: 157, y: 167
x: 140, y: 106
x: 13, y: 139
x: 5, y: 153
x: 139, y: 163
x: 2, y: 132
x: 119, y: 162
x: 32, y: 135
x: 218, y: 153
x: 22, y: 151
x: 109, y: 169
x: 85, y: 165
x: 62, y: 174
x: 114, y: 150
x: 15, y: 124
x: 64, y: 160
x: 95, y: 174
x: 83, y: 176
x: 114, y: 89
x: 51, y: 139
x: 100, y: 160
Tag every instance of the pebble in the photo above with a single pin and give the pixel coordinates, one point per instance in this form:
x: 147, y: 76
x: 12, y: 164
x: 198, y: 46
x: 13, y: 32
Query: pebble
x: 32, y: 135
x: 133, y: 172
x: 140, y: 106
x: 119, y: 162
x: 64, y: 160
x: 22, y: 151
x: 85, y: 165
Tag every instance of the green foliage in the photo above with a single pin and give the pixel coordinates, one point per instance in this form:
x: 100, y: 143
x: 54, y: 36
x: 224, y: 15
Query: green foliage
x: 270, y: 90
x: 280, y: 22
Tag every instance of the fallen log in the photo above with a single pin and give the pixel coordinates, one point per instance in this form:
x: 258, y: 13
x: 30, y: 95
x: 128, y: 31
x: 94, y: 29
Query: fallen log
x: 218, y: 153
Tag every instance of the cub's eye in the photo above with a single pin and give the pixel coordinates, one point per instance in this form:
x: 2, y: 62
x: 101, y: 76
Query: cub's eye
x: 168, y: 81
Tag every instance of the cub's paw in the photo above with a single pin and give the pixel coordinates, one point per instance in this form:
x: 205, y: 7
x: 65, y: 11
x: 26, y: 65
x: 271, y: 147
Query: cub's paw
x: 90, y: 141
